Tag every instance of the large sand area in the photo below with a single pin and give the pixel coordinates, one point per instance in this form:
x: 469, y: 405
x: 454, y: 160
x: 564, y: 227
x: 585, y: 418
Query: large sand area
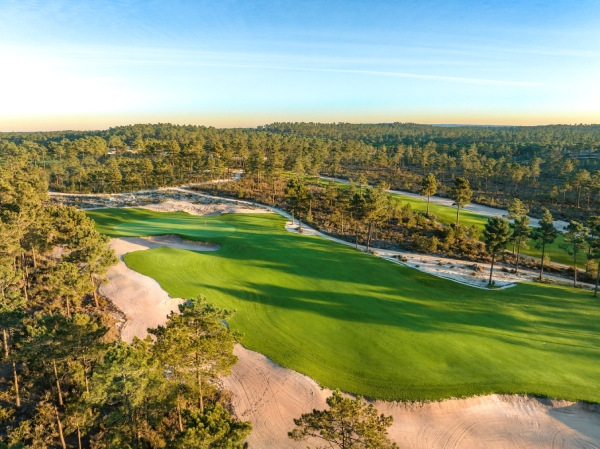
x: 270, y: 396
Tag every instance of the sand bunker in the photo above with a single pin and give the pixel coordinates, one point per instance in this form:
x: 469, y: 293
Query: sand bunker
x: 271, y: 396
x: 140, y: 297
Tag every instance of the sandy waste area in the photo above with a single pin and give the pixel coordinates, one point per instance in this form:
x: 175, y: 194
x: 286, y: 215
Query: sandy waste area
x: 204, y: 209
x: 270, y: 396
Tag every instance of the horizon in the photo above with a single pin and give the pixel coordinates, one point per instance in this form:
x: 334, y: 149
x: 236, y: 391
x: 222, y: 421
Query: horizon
x: 76, y: 65
x: 456, y: 125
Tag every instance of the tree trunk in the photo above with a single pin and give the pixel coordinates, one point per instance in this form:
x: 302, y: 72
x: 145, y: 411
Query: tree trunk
x: 79, y: 438
x: 543, y: 253
x: 179, y: 420
x: 597, y: 281
x: 492, y: 269
x: 5, y: 339
x: 85, y: 376
x: 518, y: 255
x: 33, y: 257
x: 25, y: 287
x: 574, y: 267
x: 292, y: 217
x: 369, y: 236
x: 16, y: 380
x: 60, y: 398
x: 95, y: 291
x: 60, y: 429
x: 201, y: 399
x: 457, y: 211
x: 428, y: 198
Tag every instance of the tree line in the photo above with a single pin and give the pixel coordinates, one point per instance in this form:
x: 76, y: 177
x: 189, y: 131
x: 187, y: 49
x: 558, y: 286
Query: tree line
x: 555, y: 166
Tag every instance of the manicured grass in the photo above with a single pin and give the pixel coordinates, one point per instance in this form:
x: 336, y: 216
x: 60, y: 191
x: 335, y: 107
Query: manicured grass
x: 136, y: 222
x: 367, y: 326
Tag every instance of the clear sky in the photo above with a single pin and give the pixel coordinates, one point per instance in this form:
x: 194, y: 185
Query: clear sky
x: 89, y: 65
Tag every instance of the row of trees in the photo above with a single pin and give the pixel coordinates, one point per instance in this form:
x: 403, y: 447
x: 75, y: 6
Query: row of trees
x: 360, y: 211
x: 578, y: 237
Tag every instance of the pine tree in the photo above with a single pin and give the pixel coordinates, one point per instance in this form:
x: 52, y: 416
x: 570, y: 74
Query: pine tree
x: 428, y: 188
x: 196, y: 345
x: 298, y: 198
x: 544, y: 235
x: 347, y: 424
x: 496, y: 232
x: 213, y: 428
x: 461, y: 193
x: 575, y: 237
x: 374, y: 208
x: 520, y: 234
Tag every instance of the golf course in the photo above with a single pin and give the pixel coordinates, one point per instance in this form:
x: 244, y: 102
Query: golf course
x: 367, y: 326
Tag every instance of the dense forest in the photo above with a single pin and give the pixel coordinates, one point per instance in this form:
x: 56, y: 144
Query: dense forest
x: 65, y: 378
x: 556, y: 166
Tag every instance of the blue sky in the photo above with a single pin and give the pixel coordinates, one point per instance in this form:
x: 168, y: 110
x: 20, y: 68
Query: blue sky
x: 82, y: 65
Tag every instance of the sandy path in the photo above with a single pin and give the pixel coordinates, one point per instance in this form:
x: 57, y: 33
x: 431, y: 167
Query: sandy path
x: 472, y: 207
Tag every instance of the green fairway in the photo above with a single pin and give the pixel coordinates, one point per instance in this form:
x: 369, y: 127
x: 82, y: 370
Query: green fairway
x: 367, y: 326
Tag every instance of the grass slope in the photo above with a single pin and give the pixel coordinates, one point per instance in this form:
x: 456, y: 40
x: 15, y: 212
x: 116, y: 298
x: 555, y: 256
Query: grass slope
x: 367, y: 326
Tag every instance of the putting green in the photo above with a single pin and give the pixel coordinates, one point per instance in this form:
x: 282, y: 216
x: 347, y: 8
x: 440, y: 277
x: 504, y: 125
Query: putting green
x: 367, y: 326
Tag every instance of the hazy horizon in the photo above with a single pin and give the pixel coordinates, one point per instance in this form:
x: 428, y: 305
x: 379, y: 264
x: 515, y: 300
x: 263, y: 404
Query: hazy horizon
x: 80, y: 65
x: 104, y: 128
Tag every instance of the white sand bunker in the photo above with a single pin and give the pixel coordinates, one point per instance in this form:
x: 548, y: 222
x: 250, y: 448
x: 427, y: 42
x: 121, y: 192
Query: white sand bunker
x: 172, y: 241
x: 204, y: 209
x: 270, y: 396
x: 140, y: 297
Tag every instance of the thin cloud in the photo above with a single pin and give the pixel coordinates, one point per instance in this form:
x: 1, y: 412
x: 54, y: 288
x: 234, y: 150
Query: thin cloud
x: 450, y: 79
x: 163, y: 57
